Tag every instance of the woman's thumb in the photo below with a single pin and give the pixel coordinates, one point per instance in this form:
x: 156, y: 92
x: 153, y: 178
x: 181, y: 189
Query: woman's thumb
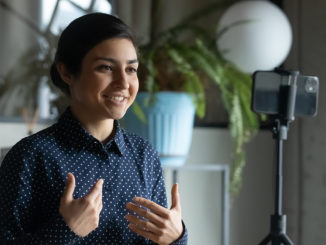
x: 175, y: 197
x: 69, y: 188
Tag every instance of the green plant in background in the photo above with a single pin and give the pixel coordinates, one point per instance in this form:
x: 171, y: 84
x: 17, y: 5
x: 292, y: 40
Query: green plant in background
x: 181, y: 59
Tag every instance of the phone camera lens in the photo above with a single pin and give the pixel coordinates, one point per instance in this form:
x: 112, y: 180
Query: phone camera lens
x: 311, y: 85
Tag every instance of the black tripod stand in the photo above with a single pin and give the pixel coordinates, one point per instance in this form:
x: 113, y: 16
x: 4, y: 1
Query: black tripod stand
x: 277, y: 235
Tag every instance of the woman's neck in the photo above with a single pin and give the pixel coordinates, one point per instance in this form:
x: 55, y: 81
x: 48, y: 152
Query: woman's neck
x: 101, y: 129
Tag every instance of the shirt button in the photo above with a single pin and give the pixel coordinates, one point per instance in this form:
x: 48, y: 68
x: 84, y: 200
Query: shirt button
x: 107, y: 187
x: 104, y: 156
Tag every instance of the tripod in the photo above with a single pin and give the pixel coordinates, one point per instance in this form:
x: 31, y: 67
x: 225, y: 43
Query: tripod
x: 277, y: 235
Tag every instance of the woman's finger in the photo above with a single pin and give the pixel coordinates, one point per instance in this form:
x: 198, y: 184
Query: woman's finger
x: 175, y: 197
x: 69, y: 188
x: 154, y: 207
x: 147, y: 214
x: 143, y: 224
x: 98, y: 199
x: 100, y: 204
x: 95, y: 191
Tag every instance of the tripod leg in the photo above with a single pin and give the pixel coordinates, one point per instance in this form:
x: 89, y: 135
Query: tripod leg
x: 266, y: 240
x: 286, y: 240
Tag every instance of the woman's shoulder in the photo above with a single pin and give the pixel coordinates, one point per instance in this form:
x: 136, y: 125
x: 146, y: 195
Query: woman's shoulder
x: 137, y: 142
x: 27, y: 149
x: 32, y: 142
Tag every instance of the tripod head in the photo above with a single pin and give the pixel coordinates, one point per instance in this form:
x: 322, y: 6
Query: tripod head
x: 284, y: 94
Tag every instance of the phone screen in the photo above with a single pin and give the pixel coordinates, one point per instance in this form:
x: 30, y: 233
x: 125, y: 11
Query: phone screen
x: 266, y: 93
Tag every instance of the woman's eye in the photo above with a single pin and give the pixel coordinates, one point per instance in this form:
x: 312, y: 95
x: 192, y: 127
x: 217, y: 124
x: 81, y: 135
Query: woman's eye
x: 105, y: 68
x: 132, y: 70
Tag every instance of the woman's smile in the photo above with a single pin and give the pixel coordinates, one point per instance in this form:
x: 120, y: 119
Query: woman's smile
x: 116, y: 99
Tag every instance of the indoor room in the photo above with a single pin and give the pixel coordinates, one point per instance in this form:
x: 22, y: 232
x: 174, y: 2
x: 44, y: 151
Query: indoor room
x: 222, y: 97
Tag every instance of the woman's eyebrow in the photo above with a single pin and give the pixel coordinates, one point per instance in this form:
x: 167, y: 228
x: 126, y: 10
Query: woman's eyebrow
x: 132, y: 61
x: 116, y: 61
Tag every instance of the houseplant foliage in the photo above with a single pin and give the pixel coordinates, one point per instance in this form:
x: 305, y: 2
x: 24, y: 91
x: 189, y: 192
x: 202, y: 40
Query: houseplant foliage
x: 185, y: 55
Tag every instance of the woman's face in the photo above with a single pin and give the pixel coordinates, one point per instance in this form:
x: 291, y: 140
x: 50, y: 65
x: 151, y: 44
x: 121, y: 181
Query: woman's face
x: 107, y: 84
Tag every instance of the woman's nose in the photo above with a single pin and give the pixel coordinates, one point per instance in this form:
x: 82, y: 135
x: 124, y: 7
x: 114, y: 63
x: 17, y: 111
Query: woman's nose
x: 121, y: 80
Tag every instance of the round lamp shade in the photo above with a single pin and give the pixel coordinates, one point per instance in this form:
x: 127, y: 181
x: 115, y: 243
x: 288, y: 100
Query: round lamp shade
x: 259, y: 36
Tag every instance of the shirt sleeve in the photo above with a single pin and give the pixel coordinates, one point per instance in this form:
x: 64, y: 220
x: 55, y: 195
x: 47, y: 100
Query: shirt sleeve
x: 19, y: 202
x: 159, y: 196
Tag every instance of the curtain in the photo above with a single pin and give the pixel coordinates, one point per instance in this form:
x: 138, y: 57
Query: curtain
x: 136, y: 14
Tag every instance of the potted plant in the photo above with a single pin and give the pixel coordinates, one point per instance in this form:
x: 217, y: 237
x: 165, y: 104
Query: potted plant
x: 179, y: 60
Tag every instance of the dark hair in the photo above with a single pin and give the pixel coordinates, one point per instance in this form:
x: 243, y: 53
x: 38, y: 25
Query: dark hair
x: 79, y: 37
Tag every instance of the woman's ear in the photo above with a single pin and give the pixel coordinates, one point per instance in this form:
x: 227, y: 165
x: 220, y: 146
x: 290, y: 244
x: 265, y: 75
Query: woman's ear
x: 64, y: 74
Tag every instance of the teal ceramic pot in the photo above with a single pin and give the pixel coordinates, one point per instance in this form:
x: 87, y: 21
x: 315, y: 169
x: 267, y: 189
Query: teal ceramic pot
x: 170, y: 121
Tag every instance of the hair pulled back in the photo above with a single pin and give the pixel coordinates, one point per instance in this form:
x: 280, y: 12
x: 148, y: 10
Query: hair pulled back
x: 79, y: 37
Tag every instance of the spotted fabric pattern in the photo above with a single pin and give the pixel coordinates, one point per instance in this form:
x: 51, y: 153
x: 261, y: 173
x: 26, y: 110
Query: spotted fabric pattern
x: 33, y: 176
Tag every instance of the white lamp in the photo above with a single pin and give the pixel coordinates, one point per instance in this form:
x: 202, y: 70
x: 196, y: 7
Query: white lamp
x: 261, y: 42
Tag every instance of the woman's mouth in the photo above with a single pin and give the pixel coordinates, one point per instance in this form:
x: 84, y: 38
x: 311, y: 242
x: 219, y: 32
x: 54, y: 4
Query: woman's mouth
x: 116, y: 99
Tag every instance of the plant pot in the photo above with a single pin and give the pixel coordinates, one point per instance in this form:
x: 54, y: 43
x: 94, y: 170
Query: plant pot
x: 169, y: 126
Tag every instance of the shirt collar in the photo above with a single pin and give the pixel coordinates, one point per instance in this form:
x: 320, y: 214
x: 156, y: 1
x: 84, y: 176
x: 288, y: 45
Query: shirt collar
x: 72, y: 132
x: 119, y: 139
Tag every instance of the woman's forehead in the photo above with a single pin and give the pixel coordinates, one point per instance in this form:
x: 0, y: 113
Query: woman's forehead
x: 115, y: 46
x: 115, y: 50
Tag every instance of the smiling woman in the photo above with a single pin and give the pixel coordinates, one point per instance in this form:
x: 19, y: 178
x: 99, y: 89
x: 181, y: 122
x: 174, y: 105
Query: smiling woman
x: 84, y: 180
x: 107, y: 84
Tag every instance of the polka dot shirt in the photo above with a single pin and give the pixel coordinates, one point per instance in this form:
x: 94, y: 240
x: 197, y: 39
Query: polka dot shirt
x: 33, y: 175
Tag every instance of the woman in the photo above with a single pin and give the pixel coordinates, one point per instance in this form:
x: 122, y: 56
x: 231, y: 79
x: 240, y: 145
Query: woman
x: 84, y: 180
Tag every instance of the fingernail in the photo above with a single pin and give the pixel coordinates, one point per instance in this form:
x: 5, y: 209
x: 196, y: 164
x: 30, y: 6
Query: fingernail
x: 69, y: 176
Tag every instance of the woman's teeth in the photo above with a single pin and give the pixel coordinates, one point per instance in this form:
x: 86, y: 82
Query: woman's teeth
x: 117, y: 98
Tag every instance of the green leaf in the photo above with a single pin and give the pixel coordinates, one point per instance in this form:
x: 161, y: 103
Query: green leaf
x: 139, y: 112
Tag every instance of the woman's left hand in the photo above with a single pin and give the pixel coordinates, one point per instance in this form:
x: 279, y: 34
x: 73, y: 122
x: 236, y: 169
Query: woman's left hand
x: 161, y: 225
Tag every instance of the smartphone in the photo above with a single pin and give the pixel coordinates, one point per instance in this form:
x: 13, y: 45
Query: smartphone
x: 267, y: 95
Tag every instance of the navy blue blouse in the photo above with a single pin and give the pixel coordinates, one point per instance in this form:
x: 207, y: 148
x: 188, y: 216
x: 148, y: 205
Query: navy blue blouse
x: 33, y: 175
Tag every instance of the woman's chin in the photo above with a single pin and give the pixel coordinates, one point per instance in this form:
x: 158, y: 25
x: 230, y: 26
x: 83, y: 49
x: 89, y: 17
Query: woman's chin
x: 117, y: 115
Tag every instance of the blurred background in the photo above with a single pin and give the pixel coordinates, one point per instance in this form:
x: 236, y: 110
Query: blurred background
x: 27, y: 30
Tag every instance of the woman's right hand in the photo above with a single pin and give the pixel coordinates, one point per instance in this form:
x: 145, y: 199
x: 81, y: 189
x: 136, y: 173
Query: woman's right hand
x: 81, y: 215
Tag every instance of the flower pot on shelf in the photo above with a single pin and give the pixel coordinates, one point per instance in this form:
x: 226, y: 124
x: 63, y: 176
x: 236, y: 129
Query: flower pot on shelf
x: 169, y: 125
